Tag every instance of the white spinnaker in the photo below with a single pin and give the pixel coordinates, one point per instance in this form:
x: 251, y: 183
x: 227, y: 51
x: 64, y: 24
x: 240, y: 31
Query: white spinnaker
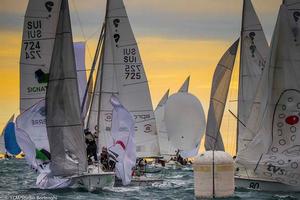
x: 64, y: 124
x: 185, y: 121
x: 122, y: 73
x: 275, y: 151
x: 33, y: 122
x: 218, y: 97
x: 37, y: 45
x: 254, y: 51
x: 185, y: 85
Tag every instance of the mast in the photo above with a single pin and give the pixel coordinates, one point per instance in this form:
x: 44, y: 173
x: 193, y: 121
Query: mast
x: 240, y: 78
x: 101, y: 72
x: 93, y: 67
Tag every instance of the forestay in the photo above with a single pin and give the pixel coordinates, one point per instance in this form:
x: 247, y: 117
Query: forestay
x: 253, y: 55
x: 122, y: 73
x: 64, y: 128
x: 218, y: 97
x: 37, y: 45
x: 280, y: 129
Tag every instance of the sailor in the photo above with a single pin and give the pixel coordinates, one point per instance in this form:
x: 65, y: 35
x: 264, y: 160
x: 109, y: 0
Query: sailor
x: 91, y: 146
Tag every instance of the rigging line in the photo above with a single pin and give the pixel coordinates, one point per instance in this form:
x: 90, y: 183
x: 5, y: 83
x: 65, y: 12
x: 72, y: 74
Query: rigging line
x: 82, y: 31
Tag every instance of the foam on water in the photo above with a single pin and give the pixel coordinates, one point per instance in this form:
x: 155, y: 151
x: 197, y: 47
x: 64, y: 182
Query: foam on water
x: 17, y: 180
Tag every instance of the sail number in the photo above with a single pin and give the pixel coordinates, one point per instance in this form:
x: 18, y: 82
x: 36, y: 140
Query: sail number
x: 133, y: 71
x: 32, y: 50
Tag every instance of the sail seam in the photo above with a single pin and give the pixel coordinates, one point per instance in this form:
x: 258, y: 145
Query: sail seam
x: 135, y: 83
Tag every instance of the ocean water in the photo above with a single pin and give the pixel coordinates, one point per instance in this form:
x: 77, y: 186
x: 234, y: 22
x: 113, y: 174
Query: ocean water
x: 17, y: 182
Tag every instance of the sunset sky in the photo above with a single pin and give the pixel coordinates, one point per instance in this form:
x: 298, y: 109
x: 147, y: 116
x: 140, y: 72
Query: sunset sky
x: 176, y: 38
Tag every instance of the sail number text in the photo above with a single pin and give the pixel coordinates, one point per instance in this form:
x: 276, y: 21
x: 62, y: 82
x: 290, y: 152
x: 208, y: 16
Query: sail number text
x: 32, y: 45
x: 132, y: 70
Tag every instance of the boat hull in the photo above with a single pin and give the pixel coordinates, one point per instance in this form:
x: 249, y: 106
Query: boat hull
x: 140, y: 181
x: 264, y: 185
x: 95, y: 181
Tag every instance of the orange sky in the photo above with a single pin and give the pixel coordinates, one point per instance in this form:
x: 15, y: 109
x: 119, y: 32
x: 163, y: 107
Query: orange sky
x: 191, y: 42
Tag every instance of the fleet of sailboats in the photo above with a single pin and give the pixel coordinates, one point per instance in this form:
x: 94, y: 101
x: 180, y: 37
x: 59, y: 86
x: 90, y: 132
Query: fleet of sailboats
x: 55, y: 105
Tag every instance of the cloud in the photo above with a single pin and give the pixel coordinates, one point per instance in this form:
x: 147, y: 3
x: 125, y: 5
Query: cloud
x: 177, y: 19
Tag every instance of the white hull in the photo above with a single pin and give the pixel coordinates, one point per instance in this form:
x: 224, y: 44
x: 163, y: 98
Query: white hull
x: 142, y: 181
x: 264, y: 185
x: 93, y: 182
x: 95, y: 179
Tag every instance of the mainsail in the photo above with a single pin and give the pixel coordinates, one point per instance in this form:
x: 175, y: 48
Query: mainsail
x: 121, y: 73
x: 275, y: 152
x: 37, y: 45
x: 64, y: 127
x: 254, y: 51
x: 218, y: 97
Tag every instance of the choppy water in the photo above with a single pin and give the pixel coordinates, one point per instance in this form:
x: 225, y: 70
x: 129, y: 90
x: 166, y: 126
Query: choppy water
x: 17, y: 181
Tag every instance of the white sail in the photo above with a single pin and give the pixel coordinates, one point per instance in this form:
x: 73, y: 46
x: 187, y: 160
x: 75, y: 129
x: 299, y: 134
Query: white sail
x: 275, y: 153
x: 253, y: 56
x: 37, y: 45
x: 64, y: 127
x: 185, y: 121
x: 218, y: 97
x: 185, y: 85
x: 33, y: 119
x: 165, y: 146
x: 122, y: 73
x: 33, y: 122
x: 123, y: 148
x: 163, y: 100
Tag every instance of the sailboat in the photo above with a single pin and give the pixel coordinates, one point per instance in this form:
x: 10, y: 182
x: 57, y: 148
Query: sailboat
x: 63, y: 117
x: 185, y: 122
x: 271, y: 158
x: 166, y: 148
x: 8, y: 143
x: 121, y: 73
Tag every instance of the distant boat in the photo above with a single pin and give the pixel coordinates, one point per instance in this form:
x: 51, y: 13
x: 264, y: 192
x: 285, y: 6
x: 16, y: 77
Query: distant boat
x: 184, y: 120
x: 121, y: 73
x: 167, y: 150
x: 268, y: 154
x: 8, y: 144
